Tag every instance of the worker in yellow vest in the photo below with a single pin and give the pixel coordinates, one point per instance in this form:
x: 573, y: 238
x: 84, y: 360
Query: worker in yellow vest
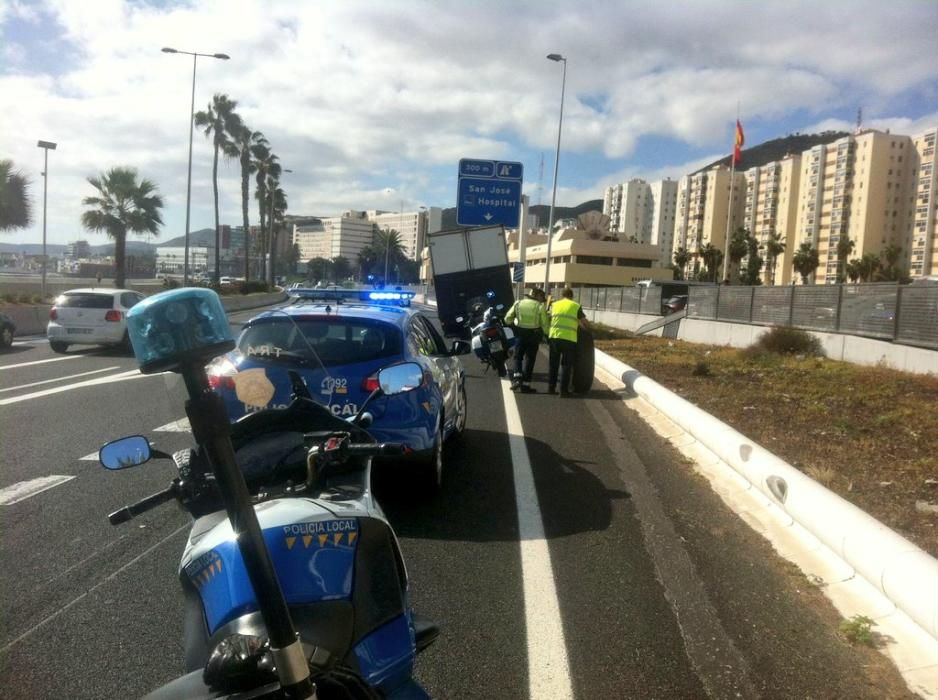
x: 530, y: 325
x: 566, y: 318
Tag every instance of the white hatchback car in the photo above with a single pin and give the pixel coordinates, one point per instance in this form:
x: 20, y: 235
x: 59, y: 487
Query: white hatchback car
x: 90, y: 317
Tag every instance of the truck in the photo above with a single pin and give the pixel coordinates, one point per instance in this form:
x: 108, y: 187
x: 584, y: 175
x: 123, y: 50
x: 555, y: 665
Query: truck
x: 470, y: 265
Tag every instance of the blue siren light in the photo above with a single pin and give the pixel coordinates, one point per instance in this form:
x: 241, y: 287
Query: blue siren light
x: 178, y: 327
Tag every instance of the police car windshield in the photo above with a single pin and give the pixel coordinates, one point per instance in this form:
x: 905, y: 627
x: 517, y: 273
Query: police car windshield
x: 328, y: 341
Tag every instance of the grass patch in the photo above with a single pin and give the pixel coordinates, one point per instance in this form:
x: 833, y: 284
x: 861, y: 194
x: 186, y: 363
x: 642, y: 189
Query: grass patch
x: 859, y: 630
x: 849, y: 427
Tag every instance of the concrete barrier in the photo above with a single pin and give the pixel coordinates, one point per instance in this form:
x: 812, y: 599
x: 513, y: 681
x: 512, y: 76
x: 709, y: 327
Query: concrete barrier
x: 904, y: 573
x: 32, y: 319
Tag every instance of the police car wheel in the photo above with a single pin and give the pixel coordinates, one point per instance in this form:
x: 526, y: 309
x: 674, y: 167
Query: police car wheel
x: 462, y: 413
x: 432, y: 466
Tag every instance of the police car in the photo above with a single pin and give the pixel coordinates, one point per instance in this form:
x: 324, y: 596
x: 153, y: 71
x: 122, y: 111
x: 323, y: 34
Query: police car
x: 337, y: 340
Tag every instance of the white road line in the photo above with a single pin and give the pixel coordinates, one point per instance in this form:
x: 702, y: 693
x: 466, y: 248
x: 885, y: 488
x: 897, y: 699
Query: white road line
x: 93, y: 457
x: 100, y: 583
x: 121, y: 376
x: 59, y: 379
x: 39, y: 362
x: 22, y: 490
x: 548, y: 667
x: 177, y: 426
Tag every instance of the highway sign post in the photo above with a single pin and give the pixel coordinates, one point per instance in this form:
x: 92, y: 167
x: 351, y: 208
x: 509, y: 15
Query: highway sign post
x: 489, y: 192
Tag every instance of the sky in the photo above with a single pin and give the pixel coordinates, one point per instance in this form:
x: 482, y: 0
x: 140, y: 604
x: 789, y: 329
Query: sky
x: 372, y: 104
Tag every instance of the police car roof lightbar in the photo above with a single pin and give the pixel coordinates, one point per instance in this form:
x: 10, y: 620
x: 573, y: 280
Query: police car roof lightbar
x: 338, y: 295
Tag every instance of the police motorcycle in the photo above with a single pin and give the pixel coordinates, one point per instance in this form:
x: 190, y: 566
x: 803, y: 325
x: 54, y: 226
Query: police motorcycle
x: 293, y: 581
x: 492, y: 341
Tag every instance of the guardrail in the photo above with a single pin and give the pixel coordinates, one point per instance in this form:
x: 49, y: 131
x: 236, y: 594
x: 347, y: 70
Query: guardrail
x: 905, y: 314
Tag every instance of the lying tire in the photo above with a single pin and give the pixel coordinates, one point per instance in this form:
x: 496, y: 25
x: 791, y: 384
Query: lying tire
x: 585, y: 366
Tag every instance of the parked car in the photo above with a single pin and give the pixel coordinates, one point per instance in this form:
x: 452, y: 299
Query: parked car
x: 336, y: 340
x: 674, y: 304
x: 7, y: 329
x: 90, y: 317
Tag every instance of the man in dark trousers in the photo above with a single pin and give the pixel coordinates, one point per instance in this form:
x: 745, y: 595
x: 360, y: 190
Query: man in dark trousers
x: 566, y: 317
x: 530, y: 325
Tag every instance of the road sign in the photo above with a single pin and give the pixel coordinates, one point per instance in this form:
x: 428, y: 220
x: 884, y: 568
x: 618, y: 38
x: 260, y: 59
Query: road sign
x: 517, y: 273
x: 489, y: 192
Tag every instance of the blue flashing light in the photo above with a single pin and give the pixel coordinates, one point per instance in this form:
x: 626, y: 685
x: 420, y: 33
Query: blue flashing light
x: 385, y: 296
x: 178, y: 327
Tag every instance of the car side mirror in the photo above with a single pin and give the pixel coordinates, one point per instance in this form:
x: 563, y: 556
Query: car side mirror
x: 461, y: 347
x: 398, y: 379
x: 127, y: 452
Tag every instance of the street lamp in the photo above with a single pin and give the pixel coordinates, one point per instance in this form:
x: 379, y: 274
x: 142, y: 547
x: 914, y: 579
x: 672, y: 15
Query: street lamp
x: 46, y: 146
x: 195, y: 56
x: 553, y: 197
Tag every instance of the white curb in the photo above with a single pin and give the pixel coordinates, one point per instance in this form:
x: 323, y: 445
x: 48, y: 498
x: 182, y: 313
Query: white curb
x: 904, y: 573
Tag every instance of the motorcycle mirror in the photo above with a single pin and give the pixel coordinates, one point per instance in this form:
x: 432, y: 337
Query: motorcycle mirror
x: 365, y: 420
x: 126, y: 452
x: 499, y: 307
x: 460, y: 319
x: 398, y: 379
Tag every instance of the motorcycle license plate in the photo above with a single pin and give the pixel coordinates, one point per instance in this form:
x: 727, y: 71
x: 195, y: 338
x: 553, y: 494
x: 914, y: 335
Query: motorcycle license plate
x: 495, y: 344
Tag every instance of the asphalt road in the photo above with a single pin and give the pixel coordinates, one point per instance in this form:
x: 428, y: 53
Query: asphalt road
x: 643, y: 585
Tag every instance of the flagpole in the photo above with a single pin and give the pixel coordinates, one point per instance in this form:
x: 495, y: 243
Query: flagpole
x: 729, y: 206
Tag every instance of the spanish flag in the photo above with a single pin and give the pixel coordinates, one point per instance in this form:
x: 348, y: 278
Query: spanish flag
x: 740, y: 140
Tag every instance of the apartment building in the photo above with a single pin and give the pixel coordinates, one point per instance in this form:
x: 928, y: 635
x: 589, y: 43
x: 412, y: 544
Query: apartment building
x: 770, y: 210
x: 857, y: 187
x: 412, y: 226
x: 348, y: 233
x: 703, y: 206
x: 922, y: 226
x: 626, y: 207
x: 313, y: 240
x: 663, y: 214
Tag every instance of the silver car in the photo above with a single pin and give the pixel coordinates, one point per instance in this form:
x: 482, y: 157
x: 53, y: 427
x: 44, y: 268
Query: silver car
x: 90, y: 317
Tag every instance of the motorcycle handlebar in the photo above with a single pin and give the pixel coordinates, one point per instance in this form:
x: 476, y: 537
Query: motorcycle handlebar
x: 128, y: 512
x: 384, y: 449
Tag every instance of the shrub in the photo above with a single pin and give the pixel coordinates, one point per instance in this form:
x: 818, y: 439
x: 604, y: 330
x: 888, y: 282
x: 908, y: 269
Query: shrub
x: 252, y: 287
x: 859, y: 630
x: 701, y: 369
x: 25, y: 298
x: 170, y: 283
x: 785, y: 340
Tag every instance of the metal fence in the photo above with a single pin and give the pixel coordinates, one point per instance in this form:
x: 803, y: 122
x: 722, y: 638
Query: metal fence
x: 905, y: 314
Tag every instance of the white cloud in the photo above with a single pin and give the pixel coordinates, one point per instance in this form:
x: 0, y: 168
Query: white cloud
x: 358, y: 96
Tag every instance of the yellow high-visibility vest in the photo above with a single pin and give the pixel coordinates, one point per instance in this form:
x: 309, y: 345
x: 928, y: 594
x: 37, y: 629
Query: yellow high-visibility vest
x: 528, y: 313
x: 564, y: 319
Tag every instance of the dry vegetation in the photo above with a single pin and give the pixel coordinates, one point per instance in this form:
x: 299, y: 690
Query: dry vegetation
x: 868, y: 433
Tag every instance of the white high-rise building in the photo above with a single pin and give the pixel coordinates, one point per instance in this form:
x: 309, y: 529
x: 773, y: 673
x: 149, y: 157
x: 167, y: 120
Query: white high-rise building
x: 626, y: 205
x: 663, y: 212
x: 314, y: 241
x: 412, y: 226
x: 348, y: 234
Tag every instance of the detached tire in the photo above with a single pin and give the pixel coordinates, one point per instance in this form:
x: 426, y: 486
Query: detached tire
x: 58, y: 346
x: 585, y: 366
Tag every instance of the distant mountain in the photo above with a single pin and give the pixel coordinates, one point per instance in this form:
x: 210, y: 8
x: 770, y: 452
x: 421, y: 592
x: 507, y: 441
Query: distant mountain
x: 776, y: 149
x: 202, y: 237
x: 541, y: 211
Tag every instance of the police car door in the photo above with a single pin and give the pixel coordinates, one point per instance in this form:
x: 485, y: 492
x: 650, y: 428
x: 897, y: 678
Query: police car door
x: 446, y: 367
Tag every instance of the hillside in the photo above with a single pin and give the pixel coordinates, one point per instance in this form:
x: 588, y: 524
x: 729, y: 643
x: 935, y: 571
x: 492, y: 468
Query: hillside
x: 776, y: 149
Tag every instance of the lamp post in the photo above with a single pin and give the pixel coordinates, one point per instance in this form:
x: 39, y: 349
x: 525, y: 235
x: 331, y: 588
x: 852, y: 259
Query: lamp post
x: 553, y: 197
x: 195, y: 57
x: 46, y: 146
x: 387, y: 242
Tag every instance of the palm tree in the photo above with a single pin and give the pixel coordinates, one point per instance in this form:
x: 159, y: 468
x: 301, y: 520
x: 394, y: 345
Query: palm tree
x: 739, y: 247
x: 267, y: 179
x: 246, y: 141
x: 15, y: 207
x: 219, y: 121
x: 712, y: 258
x: 806, y: 260
x: 853, y: 270
x: 276, y: 209
x: 388, y: 245
x: 774, y: 247
x: 681, y: 258
x: 889, y: 268
x: 844, y: 247
x: 122, y: 205
x: 869, y: 265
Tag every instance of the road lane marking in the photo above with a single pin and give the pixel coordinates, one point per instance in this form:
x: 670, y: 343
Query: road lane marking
x: 718, y: 663
x: 60, y: 379
x: 120, y: 377
x: 22, y: 490
x: 177, y: 426
x: 42, y: 623
x: 548, y: 665
x: 39, y: 362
